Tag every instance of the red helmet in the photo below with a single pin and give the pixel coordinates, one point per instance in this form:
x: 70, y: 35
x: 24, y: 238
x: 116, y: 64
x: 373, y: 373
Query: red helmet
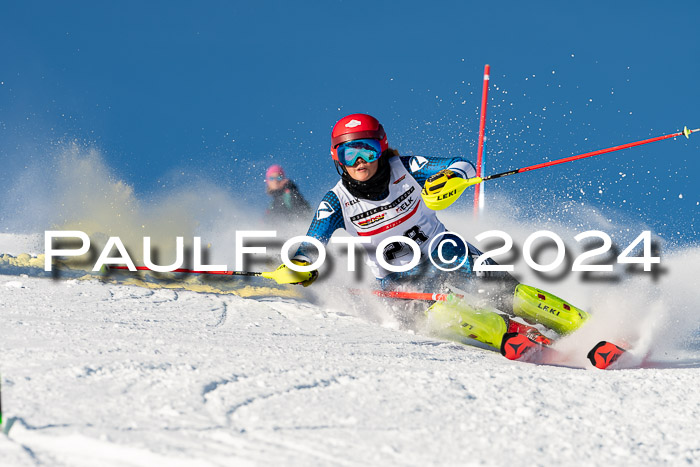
x: 357, y: 126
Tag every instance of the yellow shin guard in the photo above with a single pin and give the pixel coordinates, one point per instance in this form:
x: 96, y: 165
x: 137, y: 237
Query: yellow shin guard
x: 456, y: 320
x: 538, y: 306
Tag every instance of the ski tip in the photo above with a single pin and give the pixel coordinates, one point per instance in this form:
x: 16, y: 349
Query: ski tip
x: 604, y: 354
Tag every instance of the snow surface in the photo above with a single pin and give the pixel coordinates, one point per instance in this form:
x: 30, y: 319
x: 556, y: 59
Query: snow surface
x: 102, y: 373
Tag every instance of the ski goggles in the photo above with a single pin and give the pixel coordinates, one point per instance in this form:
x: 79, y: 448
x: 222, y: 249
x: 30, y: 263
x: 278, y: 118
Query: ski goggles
x: 275, y: 178
x: 368, y: 150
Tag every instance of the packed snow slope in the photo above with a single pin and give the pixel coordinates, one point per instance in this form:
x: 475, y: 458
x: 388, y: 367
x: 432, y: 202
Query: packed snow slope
x: 102, y: 373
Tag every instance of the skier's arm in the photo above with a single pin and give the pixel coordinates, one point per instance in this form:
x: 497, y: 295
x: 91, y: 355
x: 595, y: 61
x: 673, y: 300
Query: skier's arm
x: 422, y: 168
x: 327, y: 219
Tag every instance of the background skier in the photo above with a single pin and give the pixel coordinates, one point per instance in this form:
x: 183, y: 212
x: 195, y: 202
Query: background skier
x: 287, y: 202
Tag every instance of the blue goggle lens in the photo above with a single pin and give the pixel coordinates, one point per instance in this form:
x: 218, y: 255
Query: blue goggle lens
x: 368, y: 150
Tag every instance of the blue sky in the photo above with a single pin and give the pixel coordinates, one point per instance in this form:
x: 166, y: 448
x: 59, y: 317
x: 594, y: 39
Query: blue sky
x: 169, y: 91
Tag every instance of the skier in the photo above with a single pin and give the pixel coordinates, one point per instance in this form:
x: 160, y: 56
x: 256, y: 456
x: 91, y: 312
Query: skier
x: 287, y: 202
x: 379, y: 196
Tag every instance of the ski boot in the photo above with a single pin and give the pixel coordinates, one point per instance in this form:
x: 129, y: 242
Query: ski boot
x: 537, y: 306
x: 605, y: 354
x: 519, y: 347
x: 530, y: 332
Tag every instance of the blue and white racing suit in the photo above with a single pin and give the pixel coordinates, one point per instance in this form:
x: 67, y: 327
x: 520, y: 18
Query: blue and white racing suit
x: 401, y: 212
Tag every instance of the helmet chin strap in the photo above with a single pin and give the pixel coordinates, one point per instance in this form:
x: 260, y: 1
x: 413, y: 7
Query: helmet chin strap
x: 340, y: 168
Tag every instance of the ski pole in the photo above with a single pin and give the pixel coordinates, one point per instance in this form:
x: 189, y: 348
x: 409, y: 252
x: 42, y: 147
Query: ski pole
x: 191, y: 271
x: 444, y: 194
x: 438, y: 297
x: 427, y: 296
x: 281, y: 276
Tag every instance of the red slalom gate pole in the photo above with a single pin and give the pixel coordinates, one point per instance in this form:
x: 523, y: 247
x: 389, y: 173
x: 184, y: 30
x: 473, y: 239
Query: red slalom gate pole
x: 479, y: 190
x: 686, y: 132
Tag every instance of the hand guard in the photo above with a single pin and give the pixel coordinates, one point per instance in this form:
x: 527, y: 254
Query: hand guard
x: 284, y: 275
x: 443, y: 189
x: 439, y: 180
